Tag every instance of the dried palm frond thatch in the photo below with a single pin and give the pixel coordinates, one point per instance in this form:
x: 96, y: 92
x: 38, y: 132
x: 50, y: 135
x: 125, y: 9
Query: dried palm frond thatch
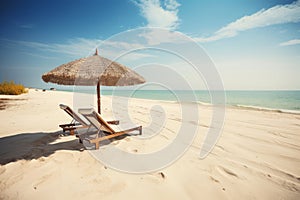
x: 93, y: 70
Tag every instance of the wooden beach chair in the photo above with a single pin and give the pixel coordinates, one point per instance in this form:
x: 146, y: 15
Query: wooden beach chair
x: 103, y: 127
x: 77, y: 122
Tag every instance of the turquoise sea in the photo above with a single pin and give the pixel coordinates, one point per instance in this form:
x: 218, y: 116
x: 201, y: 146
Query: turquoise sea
x: 285, y: 101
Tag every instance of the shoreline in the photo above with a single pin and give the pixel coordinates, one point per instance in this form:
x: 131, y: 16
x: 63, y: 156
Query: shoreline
x: 278, y: 110
x: 228, y: 104
x: 236, y: 106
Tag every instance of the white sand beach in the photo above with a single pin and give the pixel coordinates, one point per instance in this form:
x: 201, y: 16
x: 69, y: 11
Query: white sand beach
x: 257, y: 156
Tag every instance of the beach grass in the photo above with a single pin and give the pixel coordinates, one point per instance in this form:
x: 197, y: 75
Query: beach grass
x: 11, y: 88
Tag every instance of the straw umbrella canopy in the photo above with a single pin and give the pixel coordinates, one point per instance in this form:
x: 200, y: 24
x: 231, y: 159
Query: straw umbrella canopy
x: 93, y: 70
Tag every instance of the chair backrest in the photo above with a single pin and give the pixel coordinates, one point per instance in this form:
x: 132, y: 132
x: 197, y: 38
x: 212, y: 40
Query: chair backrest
x: 68, y: 110
x: 95, y: 119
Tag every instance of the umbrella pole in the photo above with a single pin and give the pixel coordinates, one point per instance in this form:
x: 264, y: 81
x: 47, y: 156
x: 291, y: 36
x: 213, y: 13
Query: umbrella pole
x: 98, y: 97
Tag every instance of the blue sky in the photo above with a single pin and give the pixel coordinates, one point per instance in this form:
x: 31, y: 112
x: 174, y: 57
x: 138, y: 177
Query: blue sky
x: 254, y: 44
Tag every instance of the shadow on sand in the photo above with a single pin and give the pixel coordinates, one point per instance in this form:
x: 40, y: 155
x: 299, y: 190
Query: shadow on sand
x: 30, y: 146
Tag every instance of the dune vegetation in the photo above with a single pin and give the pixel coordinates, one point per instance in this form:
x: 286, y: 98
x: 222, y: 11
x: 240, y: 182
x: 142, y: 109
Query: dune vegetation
x: 11, y: 88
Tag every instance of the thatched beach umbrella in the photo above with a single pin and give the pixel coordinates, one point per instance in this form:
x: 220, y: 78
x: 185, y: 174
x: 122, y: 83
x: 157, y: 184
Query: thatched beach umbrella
x: 93, y: 70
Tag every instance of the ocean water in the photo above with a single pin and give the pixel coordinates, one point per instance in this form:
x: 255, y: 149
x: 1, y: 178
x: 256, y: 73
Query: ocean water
x: 278, y: 100
x: 284, y: 101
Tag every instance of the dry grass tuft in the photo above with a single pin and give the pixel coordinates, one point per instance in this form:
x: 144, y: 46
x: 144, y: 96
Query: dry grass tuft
x: 10, y: 88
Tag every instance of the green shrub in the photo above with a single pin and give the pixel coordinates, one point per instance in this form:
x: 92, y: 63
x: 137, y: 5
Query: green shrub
x: 11, y: 88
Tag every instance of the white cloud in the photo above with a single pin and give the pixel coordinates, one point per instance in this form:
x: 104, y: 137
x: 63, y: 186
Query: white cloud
x: 159, y: 36
x: 290, y: 42
x: 171, y: 4
x: 158, y: 15
x: 279, y: 14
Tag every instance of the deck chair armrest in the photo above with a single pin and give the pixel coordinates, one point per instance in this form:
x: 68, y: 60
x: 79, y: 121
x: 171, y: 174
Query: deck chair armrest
x: 71, y: 124
x: 115, y: 122
x: 74, y: 127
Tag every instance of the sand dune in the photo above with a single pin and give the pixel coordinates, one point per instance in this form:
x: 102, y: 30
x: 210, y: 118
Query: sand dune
x: 257, y: 156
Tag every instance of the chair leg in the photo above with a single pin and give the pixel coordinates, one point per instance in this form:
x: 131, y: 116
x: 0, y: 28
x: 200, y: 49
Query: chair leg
x: 97, y: 145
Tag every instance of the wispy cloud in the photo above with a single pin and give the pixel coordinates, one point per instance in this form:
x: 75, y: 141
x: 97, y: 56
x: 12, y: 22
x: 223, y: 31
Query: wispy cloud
x: 280, y: 14
x: 39, y: 56
x: 75, y: 47
x: 82, y: 47
x: 26, y: 26
x: 290, y: 42
x: 121, y: 45
x: 132, y: 56
x: 160, y: 14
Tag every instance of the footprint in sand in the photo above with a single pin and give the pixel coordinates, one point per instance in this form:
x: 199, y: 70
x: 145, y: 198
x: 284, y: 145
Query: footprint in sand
x: 162, y: 175
x: 41, y: 180
x: 227, y: 172
x: 115, y: 142
x: 193, y: 122
x: 41, y: 159
x: 132, y: 150
x: 2, y: 169
x: 156, y: 177
x: 214, y: 179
